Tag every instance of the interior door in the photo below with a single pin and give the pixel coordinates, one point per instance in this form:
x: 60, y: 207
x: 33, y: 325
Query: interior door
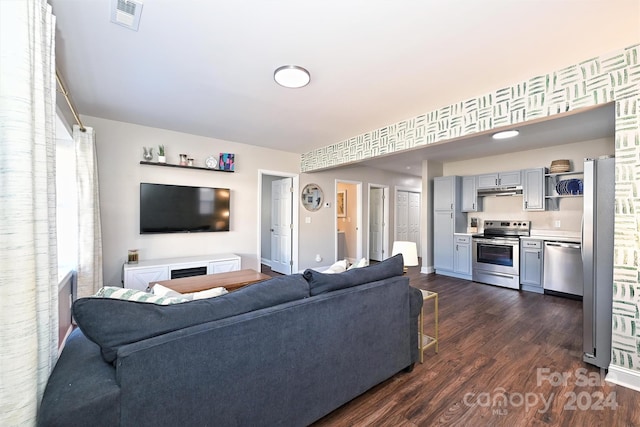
x: 413, y: 221
x: 402, y: 215
x: 281, y: 224
x: 376, y: 224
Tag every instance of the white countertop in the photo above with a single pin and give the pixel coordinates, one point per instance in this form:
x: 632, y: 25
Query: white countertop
x: 556, y: 236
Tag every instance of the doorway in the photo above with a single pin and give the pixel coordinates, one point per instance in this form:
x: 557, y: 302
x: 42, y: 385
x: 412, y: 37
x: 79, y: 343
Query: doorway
x: 378, y: 222
x: 278, y: 221
x: 348, y: 220
x: 407, y: 223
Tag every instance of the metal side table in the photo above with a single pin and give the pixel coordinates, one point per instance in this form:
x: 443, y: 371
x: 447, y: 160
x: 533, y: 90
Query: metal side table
x: 426, y: 341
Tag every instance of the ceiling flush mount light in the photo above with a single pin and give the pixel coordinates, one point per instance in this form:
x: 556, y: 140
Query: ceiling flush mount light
x: 506, y: 134
x: 292, y: 76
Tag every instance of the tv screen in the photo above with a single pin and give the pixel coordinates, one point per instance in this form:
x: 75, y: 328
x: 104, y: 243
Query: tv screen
x: 182, y: 209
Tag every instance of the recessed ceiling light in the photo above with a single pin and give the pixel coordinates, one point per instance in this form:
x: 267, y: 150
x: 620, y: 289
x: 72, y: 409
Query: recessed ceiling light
x: 506, y: 134
x: 292, y: 76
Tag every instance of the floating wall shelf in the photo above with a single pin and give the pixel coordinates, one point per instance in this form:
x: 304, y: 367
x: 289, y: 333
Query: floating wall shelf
x: 168, y: 165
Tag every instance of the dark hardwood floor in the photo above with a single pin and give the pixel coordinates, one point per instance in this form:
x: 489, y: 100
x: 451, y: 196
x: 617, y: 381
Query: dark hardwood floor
x: 501, y: 359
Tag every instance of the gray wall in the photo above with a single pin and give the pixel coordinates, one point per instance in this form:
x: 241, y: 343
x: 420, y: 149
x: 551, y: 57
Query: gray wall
x: 319, y: 236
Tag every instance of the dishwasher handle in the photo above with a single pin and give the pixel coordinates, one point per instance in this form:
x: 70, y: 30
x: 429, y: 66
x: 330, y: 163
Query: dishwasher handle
x: 564, y: 245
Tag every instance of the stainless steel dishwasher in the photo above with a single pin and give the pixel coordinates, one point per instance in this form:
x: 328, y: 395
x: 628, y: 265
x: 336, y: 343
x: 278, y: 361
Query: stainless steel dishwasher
x: 563, y: 268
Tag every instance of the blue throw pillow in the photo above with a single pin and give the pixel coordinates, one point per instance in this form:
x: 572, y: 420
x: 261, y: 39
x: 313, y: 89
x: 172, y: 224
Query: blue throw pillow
x: 320, y: 283
x: 112, y: 323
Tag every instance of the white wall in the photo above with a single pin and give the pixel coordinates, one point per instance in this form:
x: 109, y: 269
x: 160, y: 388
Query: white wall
x: 119, y: 152
x: 570, y: 210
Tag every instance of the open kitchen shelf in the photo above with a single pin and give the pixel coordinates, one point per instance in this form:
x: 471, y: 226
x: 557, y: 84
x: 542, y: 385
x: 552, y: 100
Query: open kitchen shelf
x: 552, y: 196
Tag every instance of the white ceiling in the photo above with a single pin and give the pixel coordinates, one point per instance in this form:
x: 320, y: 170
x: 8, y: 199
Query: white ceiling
x: 206, y: 67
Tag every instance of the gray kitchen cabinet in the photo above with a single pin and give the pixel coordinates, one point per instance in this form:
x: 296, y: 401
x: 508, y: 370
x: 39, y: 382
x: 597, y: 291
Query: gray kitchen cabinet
x: 447, y: 220
x: 443, y: 229
x: 444, y: 192
x: 500, y: 179
x: 533, y: 191
x: 470, y: 194
x: 462, y: 255
x: 531, y: 262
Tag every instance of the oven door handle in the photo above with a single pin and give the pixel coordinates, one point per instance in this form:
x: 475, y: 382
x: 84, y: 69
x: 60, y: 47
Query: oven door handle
x: 497, y: 242
x: 492, y: 273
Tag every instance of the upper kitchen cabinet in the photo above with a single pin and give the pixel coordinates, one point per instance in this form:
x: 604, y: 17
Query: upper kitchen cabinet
x: 533, y: 191
x: 445, y: 190
x: 470, y: 194
x: 501, y: 179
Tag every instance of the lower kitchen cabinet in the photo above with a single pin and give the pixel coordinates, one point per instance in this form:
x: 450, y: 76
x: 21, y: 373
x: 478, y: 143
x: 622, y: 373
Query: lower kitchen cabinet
x: 531, y: 263
x: 462, y: 256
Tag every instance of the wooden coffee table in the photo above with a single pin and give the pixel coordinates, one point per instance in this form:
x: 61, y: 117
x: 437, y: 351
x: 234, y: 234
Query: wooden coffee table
x: 232, y: 281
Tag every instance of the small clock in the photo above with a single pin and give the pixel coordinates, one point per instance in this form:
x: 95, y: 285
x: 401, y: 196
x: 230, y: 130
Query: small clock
x: 211, y: 162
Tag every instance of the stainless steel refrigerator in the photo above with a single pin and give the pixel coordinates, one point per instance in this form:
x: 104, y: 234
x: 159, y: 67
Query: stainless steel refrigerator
x: 597, y: 259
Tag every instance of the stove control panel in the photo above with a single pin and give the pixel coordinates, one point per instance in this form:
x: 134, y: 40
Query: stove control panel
x: 507, y: 224
x: 506, y: 228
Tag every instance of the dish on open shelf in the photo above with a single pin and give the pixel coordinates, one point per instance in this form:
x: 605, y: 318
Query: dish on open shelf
x: 568, y: 187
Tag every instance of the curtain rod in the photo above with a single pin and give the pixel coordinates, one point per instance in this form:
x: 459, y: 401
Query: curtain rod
x: 63, y: 90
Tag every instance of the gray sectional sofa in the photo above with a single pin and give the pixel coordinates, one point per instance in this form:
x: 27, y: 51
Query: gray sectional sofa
x: 286, y: 351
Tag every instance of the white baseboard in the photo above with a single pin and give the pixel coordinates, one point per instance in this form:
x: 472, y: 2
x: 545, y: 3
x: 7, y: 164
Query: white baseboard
x: 624, y: 377
x: 266, y: 262
x: 427, y: 270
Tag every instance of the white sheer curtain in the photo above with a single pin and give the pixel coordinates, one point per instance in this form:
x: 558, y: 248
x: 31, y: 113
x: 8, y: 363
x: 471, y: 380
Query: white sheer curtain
x: 28, y: 263
x: 89, y: 230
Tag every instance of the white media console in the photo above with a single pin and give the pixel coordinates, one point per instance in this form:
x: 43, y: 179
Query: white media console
x: 138, y: 276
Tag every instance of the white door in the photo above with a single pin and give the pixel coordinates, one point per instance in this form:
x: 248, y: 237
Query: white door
x: 281, y: 223
x: 376, y: 224
x: 402, y: 216
x: 413, y: 222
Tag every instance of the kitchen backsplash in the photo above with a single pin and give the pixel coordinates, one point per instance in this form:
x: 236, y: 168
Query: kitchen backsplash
x: 569, y: 217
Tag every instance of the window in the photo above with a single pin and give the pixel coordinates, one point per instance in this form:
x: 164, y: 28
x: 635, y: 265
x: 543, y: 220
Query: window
x: 66, y: 201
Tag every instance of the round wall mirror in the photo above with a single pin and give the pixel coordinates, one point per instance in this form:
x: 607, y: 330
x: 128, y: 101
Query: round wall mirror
x: 312, y: 197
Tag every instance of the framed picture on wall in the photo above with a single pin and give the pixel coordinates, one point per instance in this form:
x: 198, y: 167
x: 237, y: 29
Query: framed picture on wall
x: 341, y: 204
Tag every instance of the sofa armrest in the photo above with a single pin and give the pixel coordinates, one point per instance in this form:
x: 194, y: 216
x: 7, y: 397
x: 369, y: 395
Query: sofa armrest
x: 82, y: 388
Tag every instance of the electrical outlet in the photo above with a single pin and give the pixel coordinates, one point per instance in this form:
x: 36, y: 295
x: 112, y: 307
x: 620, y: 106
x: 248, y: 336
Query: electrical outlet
x: 556, y: 223
x: 307, y: 220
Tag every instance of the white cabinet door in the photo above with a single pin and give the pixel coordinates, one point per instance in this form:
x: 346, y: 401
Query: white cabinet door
x: 224, y: 266
x: 533, y: 189
x: 443, y: 240
x: 140, y: 278
x: 469, y: 194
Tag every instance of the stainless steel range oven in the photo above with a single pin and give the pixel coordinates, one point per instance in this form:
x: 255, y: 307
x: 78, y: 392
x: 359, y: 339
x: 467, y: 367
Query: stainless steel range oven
x: 496, y: 253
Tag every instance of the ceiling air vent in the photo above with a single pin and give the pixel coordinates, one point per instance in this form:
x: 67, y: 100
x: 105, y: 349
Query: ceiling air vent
x: 126, y: 13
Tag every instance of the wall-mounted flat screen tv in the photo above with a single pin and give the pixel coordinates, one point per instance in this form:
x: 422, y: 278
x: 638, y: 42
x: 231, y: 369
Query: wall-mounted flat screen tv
x: 183, y: 209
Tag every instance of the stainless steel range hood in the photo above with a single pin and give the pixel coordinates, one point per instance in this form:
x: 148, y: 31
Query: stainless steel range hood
x: 515, y: 190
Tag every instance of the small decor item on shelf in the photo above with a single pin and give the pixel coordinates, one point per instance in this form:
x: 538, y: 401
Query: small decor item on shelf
x: 189, y: 162
x: 132, y: 258
x: 183, y: 160
x: 147, y: 153
x: 559, y: 166
x: 227, y: 161
x: 161, y: 156
x: 211, y: 162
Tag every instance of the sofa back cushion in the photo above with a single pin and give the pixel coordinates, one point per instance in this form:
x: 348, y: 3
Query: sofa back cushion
x: 112, y: 323
x: 320, y: 283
